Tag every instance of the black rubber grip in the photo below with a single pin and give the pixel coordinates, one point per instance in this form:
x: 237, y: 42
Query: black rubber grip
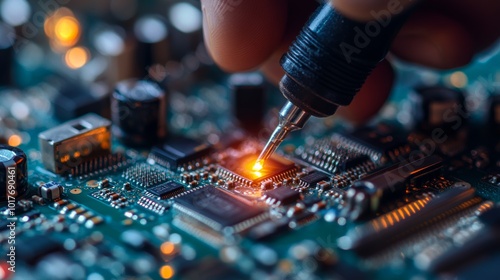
x: 333, y: 55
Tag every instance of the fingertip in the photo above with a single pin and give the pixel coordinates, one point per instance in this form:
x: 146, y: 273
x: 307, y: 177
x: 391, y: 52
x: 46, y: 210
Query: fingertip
x: 372, y: 95
x: 434, y: 40
x: 241, y: 34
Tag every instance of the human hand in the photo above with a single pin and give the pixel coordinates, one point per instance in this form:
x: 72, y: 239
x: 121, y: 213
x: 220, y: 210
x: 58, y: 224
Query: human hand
x: 249, y: 34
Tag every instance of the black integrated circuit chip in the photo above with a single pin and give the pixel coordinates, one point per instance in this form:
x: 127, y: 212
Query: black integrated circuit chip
x: 165, y: 190
x: 218, y: 210
x: 384, y: 139
x: 178, y: 151
x: 241, y: 169
x: 281, y: 196
x: 311, y: 179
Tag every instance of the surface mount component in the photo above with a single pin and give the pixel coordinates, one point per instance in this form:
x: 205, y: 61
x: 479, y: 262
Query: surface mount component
x: 72, y: 143
x: 50, y: 191
x: 240, y: 169
x: 164, y: 191
x: 177, y: 152
x: 13, y: 172
x: 218, y: 210
x: 281, y: 196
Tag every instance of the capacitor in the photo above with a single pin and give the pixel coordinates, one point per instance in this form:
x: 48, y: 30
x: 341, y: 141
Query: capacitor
x: 439, y: 107
x: 50, y: 191
x: 249, y: 99
x: 13, y: 172
x: 138, y: 109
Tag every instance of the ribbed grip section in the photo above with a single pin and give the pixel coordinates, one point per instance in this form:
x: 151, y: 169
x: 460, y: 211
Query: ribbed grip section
x: 331, y: 58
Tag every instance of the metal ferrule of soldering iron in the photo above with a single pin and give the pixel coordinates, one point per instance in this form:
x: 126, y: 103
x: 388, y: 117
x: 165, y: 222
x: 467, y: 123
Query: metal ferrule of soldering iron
x: 327, y: 65
x: 291, y: 118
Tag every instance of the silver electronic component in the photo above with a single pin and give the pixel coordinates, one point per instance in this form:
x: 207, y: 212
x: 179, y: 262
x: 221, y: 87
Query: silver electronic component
x: 72, y: 143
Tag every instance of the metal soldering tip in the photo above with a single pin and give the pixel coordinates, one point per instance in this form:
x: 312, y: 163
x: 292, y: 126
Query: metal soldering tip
x: 291, y: 118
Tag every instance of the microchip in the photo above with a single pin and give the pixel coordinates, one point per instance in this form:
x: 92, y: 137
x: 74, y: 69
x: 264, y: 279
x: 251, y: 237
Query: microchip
x: 218, y: 209
x: 335, y: 154
x: 311, y: 179
x: 179, y: 151
x: 165, y: 190
x: 281, y: 196
x: 383, y: 139
x: 240, y: 169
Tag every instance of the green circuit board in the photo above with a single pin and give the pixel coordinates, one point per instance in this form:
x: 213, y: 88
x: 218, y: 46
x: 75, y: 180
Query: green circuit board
x: 393, y: 199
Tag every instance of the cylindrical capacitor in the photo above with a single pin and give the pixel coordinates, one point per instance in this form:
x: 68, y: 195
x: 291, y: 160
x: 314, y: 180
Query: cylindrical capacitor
x: 439, y: 107
x: 138, y: 109
x: 13, y: 172
x: 249, y: 96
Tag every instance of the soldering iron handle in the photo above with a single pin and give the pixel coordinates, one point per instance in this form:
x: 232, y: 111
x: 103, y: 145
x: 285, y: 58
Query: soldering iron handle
x: 330, y: 60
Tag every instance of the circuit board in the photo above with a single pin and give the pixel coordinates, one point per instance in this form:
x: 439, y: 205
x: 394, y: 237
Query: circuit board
x: 371, y: 202
x: 151, y: 178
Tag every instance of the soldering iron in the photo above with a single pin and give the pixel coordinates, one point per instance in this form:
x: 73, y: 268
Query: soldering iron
x: 327, y: 64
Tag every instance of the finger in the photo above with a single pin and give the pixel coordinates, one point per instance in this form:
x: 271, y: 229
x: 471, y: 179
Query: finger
x: 298, y: 13
x: 477, y: 16
x: 372, y: 95
x: 241, y: 34
x: 365, y: 10
x: 433, y: 39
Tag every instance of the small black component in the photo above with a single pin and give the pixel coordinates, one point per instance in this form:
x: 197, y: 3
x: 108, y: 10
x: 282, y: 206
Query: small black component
x: 13, y: 172
x: 178, y: 151
x: 281, y: 196
x: 218, y: 209
x: 138, y: 110
x: 439, y: 107
x: 75, y: 100
x: 240, y: 169
x: 385, y: 140
x: 249, y: 96
x: 50, y: 191
x: 311, y: 179
x: 165, y: 190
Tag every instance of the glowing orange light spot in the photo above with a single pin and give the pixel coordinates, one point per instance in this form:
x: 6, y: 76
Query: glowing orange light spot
x: 166, y: 272
x: 167, y: 248
x: 458, y: 79
x: 76, y: 57
x: 67, y: 31
x: 258, y: 165
x: 15, y: 140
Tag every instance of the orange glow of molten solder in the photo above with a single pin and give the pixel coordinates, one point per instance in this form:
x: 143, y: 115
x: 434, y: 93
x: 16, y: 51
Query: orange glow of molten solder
x: 258, y: 165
